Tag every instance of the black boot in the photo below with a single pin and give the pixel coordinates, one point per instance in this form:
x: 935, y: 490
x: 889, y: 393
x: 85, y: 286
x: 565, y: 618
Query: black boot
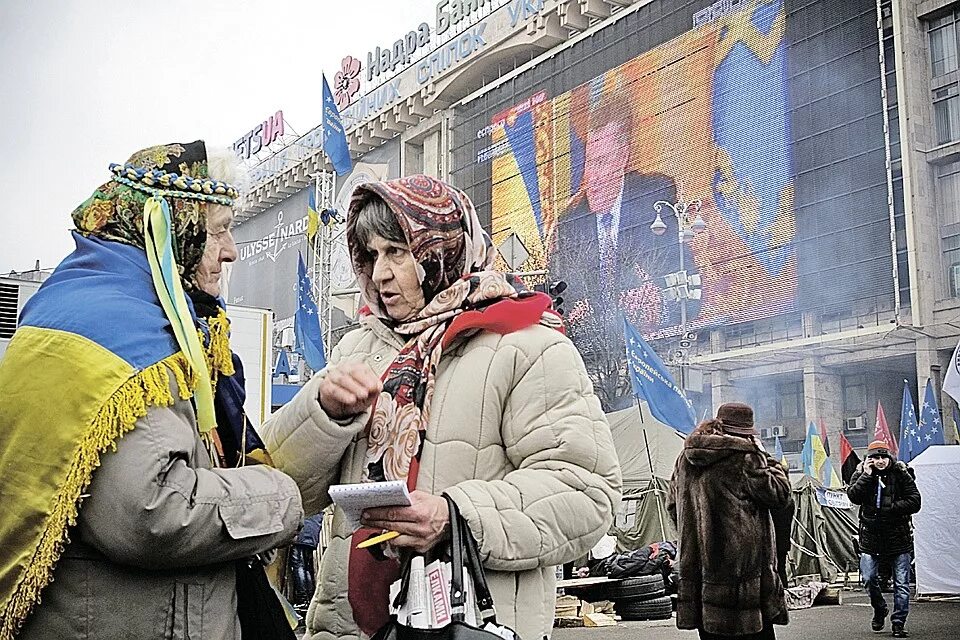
x: 899, y: 631
x: 879, y: 619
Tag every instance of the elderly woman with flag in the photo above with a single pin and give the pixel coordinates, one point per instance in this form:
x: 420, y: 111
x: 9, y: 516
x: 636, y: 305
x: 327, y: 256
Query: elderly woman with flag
x: 458, y: 382
x: 121, y: 427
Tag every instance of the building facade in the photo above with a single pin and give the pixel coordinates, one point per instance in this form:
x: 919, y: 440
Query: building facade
x: 769, y: 189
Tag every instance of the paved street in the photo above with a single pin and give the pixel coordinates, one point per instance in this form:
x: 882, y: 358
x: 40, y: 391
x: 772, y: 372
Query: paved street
x: 850, y: 621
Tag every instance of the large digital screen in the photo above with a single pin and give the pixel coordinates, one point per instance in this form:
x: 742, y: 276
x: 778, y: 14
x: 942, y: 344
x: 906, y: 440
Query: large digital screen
x: 765, y: 120
x: 692, y: 135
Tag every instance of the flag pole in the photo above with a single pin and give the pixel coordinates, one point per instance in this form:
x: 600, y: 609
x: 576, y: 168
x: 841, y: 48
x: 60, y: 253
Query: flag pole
x: 656, y: 489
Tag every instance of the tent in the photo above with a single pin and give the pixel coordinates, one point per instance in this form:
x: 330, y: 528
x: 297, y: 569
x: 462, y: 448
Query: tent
x: 647, y: 450
x: 824, y: 525
x: 936, y: 550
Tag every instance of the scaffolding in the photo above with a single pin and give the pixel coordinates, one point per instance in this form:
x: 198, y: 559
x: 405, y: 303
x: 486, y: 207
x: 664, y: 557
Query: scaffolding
x: 327, y: 234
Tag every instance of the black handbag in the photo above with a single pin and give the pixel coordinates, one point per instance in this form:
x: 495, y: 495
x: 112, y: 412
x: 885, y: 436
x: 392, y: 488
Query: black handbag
x: 463, y: 553
x: 261, y: 615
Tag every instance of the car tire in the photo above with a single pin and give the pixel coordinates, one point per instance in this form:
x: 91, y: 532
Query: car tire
x: 638, y: 588
x: 655, y: 609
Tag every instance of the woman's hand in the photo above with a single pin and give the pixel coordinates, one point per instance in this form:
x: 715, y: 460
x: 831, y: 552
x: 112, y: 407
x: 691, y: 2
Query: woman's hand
x: 348, y: 389
x: 421, y: 525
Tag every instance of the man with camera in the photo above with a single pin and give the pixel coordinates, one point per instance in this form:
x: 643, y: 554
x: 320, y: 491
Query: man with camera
x: 888, y: 497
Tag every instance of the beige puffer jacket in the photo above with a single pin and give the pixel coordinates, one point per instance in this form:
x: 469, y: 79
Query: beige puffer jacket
x: 517, y: 439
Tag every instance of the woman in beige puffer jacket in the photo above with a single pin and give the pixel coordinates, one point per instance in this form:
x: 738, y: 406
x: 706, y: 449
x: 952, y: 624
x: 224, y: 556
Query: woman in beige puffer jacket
x: 505, y: 422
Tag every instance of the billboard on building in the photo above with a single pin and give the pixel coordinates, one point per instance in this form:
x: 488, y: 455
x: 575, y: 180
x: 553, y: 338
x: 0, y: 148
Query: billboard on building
x: 703, y: 118
x: 768, y: 113
x: 265, y: 272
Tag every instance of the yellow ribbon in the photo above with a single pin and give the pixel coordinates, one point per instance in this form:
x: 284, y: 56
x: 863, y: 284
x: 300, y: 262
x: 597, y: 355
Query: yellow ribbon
x: 166, y: 280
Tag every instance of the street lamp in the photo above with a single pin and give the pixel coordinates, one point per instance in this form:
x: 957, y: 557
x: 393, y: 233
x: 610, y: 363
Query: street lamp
x: 680, y: 285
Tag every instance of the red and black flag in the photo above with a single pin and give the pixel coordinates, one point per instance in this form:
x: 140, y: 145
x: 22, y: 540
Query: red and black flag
x: 849, y: 458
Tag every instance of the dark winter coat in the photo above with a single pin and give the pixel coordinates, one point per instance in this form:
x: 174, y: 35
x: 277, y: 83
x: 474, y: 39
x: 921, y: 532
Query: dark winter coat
x: 782, y: 524
x: 721, y: 494
x: 654, y: 558
x: 887, y: 530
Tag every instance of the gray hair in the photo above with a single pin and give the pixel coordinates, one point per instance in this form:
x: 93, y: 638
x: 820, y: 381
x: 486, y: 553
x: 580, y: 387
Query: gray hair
x: 224, y: 165
x: 376, y: 218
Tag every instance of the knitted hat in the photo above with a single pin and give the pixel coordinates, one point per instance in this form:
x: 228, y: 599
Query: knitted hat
x: 878, y: 447
x: 737, y: 418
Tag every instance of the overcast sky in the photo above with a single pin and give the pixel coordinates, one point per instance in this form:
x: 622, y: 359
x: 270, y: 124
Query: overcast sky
x: 86, y: 83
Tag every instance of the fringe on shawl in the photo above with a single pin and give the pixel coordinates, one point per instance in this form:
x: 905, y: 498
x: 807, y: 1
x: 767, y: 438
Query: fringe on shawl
x: 217, y: 347
x: 117, y: 416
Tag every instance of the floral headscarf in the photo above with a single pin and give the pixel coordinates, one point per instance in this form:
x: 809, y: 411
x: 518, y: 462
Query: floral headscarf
x: 441, y: 226
x: 115, y: 210
x: 454, y: 258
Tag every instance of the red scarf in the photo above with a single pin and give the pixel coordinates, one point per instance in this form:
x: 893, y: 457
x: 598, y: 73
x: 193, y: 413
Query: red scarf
x: 465, y: 296
x: 397, y: 429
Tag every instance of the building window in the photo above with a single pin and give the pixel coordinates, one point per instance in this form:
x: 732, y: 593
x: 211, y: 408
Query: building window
x: 946, y: 109
x: 948, y: 193
x: 954, y: 276
x: 943, y: 45
x: 951, y: 261
x: 789, y: 400
x: 854, y: 395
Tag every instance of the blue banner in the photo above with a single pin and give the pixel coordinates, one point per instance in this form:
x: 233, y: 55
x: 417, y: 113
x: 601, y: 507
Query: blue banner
x: 652, y: 382
x: 928, y: 432
x: 306, y: 323
x: 334, y: 137
x: 908, y: 424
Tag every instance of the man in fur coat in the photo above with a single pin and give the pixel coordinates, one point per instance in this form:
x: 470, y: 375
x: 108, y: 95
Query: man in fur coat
x: 723, y: 488
x: 888, y: 497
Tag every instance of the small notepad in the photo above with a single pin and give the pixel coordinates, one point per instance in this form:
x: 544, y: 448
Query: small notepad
x: 354, y: 498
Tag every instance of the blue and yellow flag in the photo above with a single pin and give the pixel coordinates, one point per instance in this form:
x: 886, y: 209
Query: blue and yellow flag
x: 77, y: 375
x: 828, y: 475
x: 779, y: 455
x: 814, y: 454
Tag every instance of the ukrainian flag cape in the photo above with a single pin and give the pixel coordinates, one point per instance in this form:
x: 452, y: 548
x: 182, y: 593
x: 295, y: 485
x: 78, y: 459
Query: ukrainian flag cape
x: 93, y: 352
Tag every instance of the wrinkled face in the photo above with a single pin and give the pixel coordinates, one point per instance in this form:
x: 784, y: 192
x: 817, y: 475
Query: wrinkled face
x: 395, y: 277
x: 220, y: 248
x: 881, y: 462
x: 604, y: 164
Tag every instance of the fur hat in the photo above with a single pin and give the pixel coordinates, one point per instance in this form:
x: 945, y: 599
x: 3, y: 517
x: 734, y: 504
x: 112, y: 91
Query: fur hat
x: 737, y: 418
x: 878, y: 447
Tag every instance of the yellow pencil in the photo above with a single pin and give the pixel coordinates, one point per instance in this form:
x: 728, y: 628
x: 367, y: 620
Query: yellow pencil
x: 383, y: 537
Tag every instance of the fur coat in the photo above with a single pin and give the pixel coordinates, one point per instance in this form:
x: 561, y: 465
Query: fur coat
x: 721, y: 494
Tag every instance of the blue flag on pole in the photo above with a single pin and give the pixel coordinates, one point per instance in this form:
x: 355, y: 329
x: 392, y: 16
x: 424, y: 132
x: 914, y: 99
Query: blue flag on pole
x: 930, y: 429
x: 652, y: 382
x: 306, y: 322
x: 334, y: 137
x: 908, y: 424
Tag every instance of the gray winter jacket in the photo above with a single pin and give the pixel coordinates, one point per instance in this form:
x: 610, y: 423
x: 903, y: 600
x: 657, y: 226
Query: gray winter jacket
x: 152, y: 554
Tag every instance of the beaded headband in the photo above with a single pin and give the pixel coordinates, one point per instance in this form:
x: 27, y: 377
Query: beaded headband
x: 163, y: 183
